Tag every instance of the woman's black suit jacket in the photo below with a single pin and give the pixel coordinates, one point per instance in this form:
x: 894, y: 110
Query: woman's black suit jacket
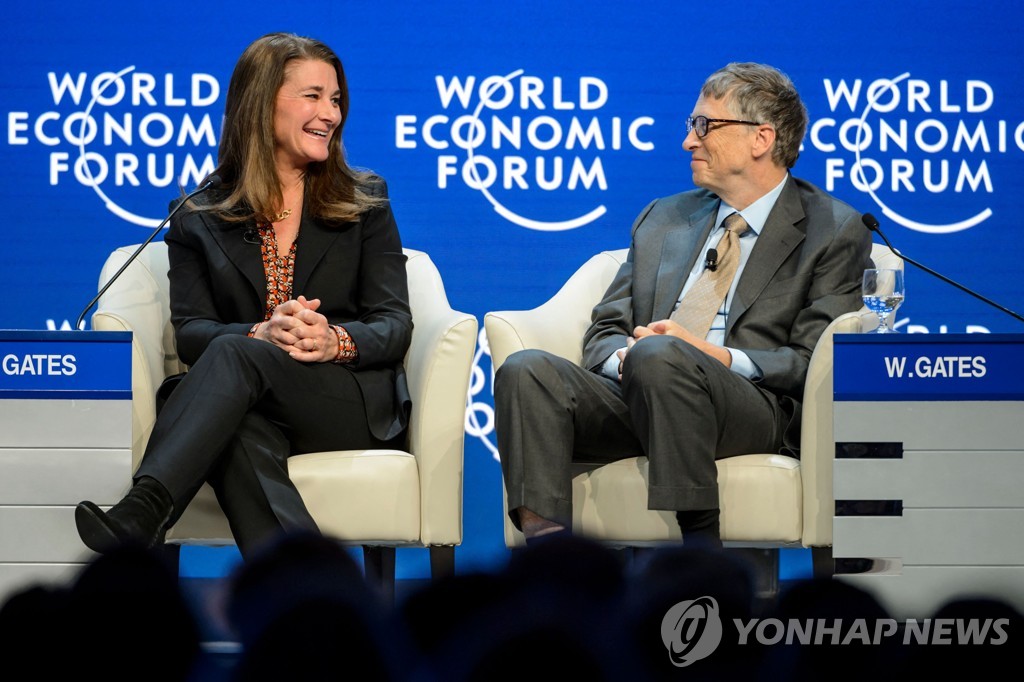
x: 356, y: 269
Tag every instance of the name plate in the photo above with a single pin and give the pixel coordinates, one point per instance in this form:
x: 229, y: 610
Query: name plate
x: 924, y: 367
x: 61, y: 365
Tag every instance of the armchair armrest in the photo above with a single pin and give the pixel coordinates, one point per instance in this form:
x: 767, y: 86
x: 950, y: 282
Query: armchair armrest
x: 817, y: 446
x: 137, y: 302
x: 438, y: 367
x: 143, y: 384
x: 558, y: 325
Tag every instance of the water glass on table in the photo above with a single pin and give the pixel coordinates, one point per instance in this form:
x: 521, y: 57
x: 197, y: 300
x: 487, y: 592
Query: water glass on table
x: 883, y: 291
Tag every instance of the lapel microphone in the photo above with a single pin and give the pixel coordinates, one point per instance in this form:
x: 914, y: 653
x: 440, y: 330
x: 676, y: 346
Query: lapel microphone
x: 251, y: 236
x: 711, y: 260
x: 211, y: 182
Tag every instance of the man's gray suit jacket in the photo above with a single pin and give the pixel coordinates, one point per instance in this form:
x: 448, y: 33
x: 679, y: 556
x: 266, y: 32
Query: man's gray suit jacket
x: 804, y: 271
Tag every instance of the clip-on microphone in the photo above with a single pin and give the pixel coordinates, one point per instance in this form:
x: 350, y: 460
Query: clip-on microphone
x: 711, y: 260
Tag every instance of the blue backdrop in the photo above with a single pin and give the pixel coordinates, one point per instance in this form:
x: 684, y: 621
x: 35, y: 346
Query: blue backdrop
x: 518, y: 140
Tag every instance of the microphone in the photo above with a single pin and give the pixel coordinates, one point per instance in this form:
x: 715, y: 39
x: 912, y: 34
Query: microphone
x: 211, y: 182
x: 251, y: 236
x: 872, y: 224
x: 711, y: 260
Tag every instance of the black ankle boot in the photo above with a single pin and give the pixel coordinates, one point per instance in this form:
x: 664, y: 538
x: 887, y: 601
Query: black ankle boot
x: 700, y: 527
x: 139, y: 519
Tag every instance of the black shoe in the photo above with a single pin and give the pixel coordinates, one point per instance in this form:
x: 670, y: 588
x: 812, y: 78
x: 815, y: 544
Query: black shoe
x: 139, y: 520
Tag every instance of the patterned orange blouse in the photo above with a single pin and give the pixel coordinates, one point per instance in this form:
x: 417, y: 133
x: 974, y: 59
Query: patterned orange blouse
x: 279, y: 269
x: 280, y: 272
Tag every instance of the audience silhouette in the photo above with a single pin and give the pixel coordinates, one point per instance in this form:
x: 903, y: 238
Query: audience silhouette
x: 33, y: 631
x: 993, y: 616
x: 842, y: 654
x: 552, y: 614
x: 302, y: 609
x: 665, y: 576
x: 562, y: 608
x: 123, y: 618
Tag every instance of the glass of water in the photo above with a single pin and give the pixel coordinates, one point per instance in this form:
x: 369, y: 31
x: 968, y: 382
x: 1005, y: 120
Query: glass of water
x: 882, y: 291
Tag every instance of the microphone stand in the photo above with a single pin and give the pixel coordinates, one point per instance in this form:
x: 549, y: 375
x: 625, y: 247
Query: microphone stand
x: 212, y: 181
x: 872, y: 224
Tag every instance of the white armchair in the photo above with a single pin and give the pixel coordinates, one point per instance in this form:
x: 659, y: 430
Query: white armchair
x: 379, y: 499
x: 767, y: 499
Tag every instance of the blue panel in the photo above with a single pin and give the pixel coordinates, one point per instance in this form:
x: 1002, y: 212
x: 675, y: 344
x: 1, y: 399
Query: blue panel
x: 960, y: 367
x: 61, y: 365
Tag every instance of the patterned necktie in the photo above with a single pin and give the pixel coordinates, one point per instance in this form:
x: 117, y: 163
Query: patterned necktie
x: 702, y: 302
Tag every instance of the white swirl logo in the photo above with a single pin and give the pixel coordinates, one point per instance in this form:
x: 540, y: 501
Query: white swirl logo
x: 938, y: 143
x: 480, y: 414
x: 533, y: 143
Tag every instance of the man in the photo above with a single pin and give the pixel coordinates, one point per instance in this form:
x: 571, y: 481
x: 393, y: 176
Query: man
x: 700, y: 346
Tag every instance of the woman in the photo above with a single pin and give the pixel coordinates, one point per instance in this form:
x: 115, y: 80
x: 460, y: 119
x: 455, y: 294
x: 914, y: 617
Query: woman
x: 289, y: 303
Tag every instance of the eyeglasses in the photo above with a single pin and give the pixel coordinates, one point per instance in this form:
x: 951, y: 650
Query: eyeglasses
x: 699, y: 124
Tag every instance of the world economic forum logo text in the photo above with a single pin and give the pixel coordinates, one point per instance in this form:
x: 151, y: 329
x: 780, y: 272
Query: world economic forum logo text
x: 904, y: 135
x: 516, y: 135
x: 118, y: 131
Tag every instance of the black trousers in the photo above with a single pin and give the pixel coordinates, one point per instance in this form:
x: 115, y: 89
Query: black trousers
x: 678, y: 406
x: 234, y: 420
